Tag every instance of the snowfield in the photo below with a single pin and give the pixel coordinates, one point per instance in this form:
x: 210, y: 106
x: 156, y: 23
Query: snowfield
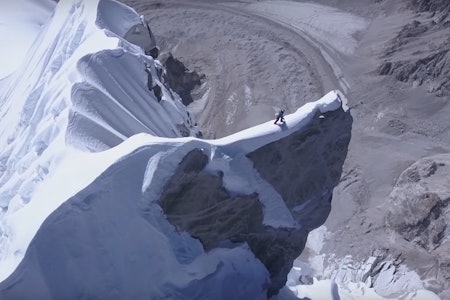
x: 86, y: 149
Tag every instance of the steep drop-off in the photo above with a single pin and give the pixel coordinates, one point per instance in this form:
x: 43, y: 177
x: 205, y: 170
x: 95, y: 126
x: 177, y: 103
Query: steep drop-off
x: 303, y: 168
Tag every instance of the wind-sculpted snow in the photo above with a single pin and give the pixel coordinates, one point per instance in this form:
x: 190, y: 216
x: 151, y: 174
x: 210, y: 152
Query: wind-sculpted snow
x: 82, y: 87
x: 126, y: 107
x: 89, y: 155
x: 110, y: 241
x: 110, y: 12
x: 67, y: 94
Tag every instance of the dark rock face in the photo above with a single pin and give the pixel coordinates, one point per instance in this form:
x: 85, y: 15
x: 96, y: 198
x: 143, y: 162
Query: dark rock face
x: 419, y: 210
x: 408, y: 62
x: 434, y: 68
x: 197, y: 202
x: 180, y: 79
x: 214, y: 216
x: 303, y: 167
x: 431, y: 5
x: 152, y: 86
x: 409, y: 31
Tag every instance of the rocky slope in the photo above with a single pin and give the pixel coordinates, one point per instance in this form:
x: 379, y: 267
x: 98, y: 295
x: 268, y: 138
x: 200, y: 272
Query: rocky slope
x: 419, y: 213
x: 429, y: 67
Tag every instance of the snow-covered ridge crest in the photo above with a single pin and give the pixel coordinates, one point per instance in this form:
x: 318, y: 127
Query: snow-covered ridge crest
x: 157, y: 158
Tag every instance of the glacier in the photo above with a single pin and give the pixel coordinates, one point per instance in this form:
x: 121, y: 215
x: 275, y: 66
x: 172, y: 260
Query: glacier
x: 89, y: 160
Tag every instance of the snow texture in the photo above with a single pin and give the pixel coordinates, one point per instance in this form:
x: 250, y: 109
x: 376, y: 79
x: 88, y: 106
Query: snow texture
x: 323, y: 276
x: 22, y: 20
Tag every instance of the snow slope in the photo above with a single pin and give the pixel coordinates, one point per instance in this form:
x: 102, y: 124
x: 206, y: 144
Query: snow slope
x: 46, y: 105
x: 85, y: 152
x: 21, y: 21
x: 84, y: 87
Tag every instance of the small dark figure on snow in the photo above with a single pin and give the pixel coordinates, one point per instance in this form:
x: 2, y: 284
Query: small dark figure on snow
x: 152, y: 86
x: 280, y: 116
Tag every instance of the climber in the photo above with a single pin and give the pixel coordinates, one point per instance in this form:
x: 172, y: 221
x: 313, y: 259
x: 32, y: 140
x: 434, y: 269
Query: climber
x: 280, y: 116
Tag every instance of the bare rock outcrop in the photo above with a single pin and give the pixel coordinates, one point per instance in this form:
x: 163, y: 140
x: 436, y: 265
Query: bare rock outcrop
x: 405, y: 56
x: 180, y: 78
x: 405, y: 239
x: 433, y: 69
x: 419, y: 210
x: 431, y: 5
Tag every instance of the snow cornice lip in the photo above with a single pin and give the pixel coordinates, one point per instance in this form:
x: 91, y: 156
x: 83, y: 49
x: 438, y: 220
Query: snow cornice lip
x: 250, y: 139
x: 257, y: 136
